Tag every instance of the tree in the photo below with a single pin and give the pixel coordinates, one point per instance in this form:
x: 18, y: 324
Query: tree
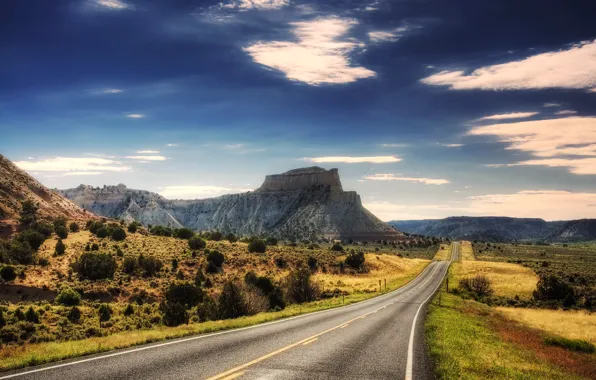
x: 60, y: 248
x: 105, y: 312
x: 8, y: 273
x: 34, y: 238
x: 118, y: 234
x: 74, y: 227
x: 355, y: 260
x: 44, y: 228
x: 59, y: 222
x: 96, y: 266
x: 61, y: 231
x: 184, y: 293
x: 215, y: 236
x: 299, y: 286
x: 196, y: 242
x: 31, y: 315
x: 102, y: 232
x: 20, y: 251
x: 216, y: 258
x: 231, y: 302
x: 257, y: 246
x: 184, y: 233
x: 28, y: 213
x: 551, y: 287
x: 174, y: 314
x: 271, y: 241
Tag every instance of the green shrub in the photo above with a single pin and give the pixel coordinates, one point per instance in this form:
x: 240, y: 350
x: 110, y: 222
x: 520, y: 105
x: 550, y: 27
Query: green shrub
x: 94, y: 226
x: 59, y: 222
x: 184, y: 233
x: 44, y: 228
x: 132, y: 227
x: 103, y: 232
x: 74, y: 227
x: 96, y: 266
x: 173, y: 314
x: 211, y: 267
x: 271, y: 241
x: 129, y: 265
x: 8, y: 273
x: 95, y: 247
x: 231, y: 302
x: 199, y: 278
x: 118, y: 234
x: 60, y: 248
x: 161, y: 231
x: 74, y: 315
x: 552, y: 287
x: 34, y: 238
x: 150, y: 265
x: 299, y: 286
x: 312, y: 263
x: 215, y: 236
x: 9, y: 334
x: 479, y: 286
x: 355, y: 260
x: 105, y: 312
x: 570, y: 344
x: 31, y: 315
x: 216, y: 258
x: 207, y: 310
x: 68, y: 297
x: 19, y: 315
x: 21, y: 252
x: 2, y: 319
x: 62, y: 232
x: 337, y: 247
x: 184, y: 293
x: 231, y: 238
x: 257, y: 246
x: 196, y: 242
x: 129, y: 310
x: 28, y: 213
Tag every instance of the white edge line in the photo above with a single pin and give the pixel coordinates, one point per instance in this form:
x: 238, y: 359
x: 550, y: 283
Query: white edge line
x: 213, y: 334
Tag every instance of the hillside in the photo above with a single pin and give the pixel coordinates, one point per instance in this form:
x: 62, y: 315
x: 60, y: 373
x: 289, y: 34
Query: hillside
x: 501, y: 229
x: 306, y: 203
x: 17, y: 186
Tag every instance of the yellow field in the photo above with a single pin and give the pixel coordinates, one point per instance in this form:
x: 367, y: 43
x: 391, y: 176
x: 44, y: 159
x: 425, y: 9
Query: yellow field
x: 444, y: 252
x: 568, y: 324
x: 466, y: 251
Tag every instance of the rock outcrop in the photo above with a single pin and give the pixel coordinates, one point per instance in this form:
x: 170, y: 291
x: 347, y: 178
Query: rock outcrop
x: 303, y: 203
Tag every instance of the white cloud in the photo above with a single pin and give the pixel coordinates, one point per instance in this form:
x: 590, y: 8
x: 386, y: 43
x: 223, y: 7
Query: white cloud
x: 565, y: 112
x: 234, y: 146
x: 135, y: 115
x: 82, y: 173
x: 320, y: 56
x: 197, y: 191
x: 147, y: 158
x: 573, y: 68
x: 394, y: 177
x: 394, y: 145
x: 561, y: 142
x: 547, y: 204
x: 512, y: 115
x: 113, y: 4
x: 148, y: 151
x: 450, y: 145
x: 378, y: 36
x: 353, y: 160
x: 109, y: 91
x: 551, y: 105
x: 171, y: 145
x: 262, y: 4
x: 73, y: 164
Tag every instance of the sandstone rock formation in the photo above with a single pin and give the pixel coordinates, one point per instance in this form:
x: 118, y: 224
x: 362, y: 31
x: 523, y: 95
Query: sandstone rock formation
x: 302, y: 203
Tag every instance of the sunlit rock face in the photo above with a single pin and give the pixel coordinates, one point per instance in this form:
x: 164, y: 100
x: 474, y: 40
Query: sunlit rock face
x: 306, y: 203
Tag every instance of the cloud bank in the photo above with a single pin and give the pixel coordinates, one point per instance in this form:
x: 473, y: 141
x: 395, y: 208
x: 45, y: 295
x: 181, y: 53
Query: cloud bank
x: 394, y: 177
x: 353, y: 160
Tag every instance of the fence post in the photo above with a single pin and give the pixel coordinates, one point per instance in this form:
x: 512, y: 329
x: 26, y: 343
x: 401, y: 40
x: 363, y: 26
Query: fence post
x: 380, y: 289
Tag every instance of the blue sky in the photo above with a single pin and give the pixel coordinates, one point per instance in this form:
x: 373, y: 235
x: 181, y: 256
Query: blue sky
x: 428, y: 108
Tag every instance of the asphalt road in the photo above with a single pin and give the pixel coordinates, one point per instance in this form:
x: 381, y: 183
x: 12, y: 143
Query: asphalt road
x: 381, y: 338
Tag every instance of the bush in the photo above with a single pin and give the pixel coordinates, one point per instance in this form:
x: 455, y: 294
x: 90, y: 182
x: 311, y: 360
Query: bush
x: 60, y: 248
x: 150, y: 265
x: 129, y: 265
x: 129, y: 310
x: 355, y: 260
x: 231, y: 238
x: 312, y: 263
x: 8, y: 273
x: 62, y: 232
x: 271, y: 241
x: 96, y: 266
x: 74, y: 315
x: 207, y: 310
x: 280, y: 262
x: 184, y: 233
x: 215, y: 236
x: 299, y: 286
x: 211, y: 267
x: 184, y: 293
x: 199, y: 278
x: 337, y: 247
x: 231, y: 302
x: 95, y: 247
x: 42, y: 227
x: 257, y: 246
x: 68, y: 297
x: 118, y: 234
x: 479, y: 286
x: 28, y: 213
x: 132, y: 227
x: 34, y: 238
x: 571, y: 344
x: 31, y: 315
x: 102, y: 232
x: 216, y: 258
x: 161, y: 231
x: 74, y: 227
x: 2, y: 319
x: 255, y: 301
x: 59, y: 222
x: 196, y: 242
x: 105, y: 312
x: 174, y: 314
x: 21, y: 252
x: 551, y: 287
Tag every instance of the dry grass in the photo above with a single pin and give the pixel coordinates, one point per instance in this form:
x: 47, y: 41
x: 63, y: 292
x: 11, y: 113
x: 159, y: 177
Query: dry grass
x: 466, y: 252
x: 444, y: 253
x: 394, y: 269
x: 568, y: 324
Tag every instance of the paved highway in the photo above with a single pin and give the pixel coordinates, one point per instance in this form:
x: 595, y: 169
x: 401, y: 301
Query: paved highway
x: 381, y: 338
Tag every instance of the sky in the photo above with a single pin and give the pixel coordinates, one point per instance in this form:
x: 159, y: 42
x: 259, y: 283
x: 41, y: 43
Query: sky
x: 429, y: 108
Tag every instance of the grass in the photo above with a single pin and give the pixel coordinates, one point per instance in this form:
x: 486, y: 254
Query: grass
x: 464, y: 345
x: 12, y: 357
x: 466, y: 252
x: 571, y: 344
x: 444, y: 253
x: 570, y: 324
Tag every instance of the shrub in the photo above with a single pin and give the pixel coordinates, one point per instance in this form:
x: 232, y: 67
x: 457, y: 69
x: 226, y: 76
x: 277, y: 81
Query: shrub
x: 271, y: 241
x: 551, y: 287
x: 231, y: 302
x: 174, y: 314
x: 68, y: 297
x: 59, y: 222
x: 196, y: 242
x: 74, y: 315
x: 161, y: 231
x: 479, y: 285
x: 299, y: 286
x: 34, y: 238
x: 118, y: 234
x: 174, y: 264
x: 74, y: 227
x: 571, y: 344
x: 211, y: 267
x: 199, y: 278
x: 9, y: 334
x: 184, y: 293
x: 132, y: 227
x: 31, y: 315
x: 105, y: 312
x: 95, y: 266
x: 62, y: 232
x: 255, y: 301
x: 129, y: 265
x: 231, y: 238
x: 215, y: 236
x: 8, y: 273
x: 28, y: 213
x: 355, y: 260
x: 216, y: 258
x: 2, y: 319
x: 42, y: 227
x: 20, y: 251
x: 184, y: 233
x: 129, y: 310
x: 312, y: 263
x: 150, y: 265
x: 337, y: 247
x: 19, y: 315
x: 250, y: 278
x: 102, y: 232
x: 60, y: 248
x: 257, y: 246
x: 280, y: 262
x: 207, y: 310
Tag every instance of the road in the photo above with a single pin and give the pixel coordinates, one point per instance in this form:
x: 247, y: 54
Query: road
x: 381, y: 338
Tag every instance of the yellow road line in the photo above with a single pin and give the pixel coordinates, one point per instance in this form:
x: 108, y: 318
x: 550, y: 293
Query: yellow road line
x: 233, y: 376
x: 344, y: 326
x: 310, y: 341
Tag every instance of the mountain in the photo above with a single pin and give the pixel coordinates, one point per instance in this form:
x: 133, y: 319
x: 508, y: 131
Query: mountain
x: 501, y: 229
x: 302, y: 203
x: 16, y: 186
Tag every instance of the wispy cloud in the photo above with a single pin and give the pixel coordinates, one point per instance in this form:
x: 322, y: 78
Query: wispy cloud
x: 147, y: 158
x: 82, y: 173
x: 573, y: 68
x: 148, y: 151
x: 320, y: 56
x: 551, y: 105
x: 113, y: 4
x: 73, y: 164
x: 108, y: 91
x: 511, y: 115
x: 171, y: 145
x: 565, y: 112
x: 563, y: 142
x: 393, y: 35
x: 135, y: 115
x: 353, y: 160
x: 394, y: 145
x: 450, y: 145
x: 234, y: 146
x: 198, y: 191
x: 397, y: 177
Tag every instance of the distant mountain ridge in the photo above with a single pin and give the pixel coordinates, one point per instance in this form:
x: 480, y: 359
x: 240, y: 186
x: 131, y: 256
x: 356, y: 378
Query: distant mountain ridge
x: 301, y: 203
x: 501, y: 229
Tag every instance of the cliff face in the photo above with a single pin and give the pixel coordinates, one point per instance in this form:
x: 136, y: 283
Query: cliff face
x: 302, y: 203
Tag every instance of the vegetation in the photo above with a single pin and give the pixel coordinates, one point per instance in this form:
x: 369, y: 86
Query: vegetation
x: 571, y: 344
x: 257, y: 246
x: 196, y: 242
x: 96, y: 266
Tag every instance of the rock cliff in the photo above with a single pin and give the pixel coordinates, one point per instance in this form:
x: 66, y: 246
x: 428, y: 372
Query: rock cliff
x: 302, y: 203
